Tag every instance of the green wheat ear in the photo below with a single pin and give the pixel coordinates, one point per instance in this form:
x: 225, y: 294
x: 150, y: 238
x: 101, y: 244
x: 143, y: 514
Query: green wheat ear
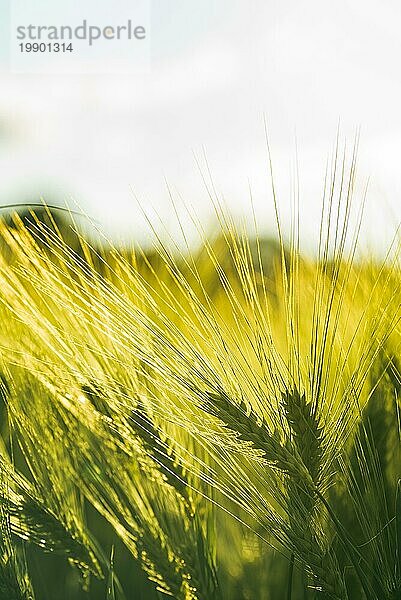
x: 299, y: 458
x: 143, y: 427
x: 307, y: 433
x: 179, y: 566
x: 169, y: 465
x: 250, y: 427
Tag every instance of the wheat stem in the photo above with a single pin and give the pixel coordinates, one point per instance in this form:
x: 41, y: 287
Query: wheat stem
x: 290, y: 576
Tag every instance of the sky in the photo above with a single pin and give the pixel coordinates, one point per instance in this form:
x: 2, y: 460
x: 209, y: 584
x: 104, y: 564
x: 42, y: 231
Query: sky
x: 217, y: 69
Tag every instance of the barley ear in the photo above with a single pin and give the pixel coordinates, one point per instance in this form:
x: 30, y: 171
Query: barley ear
x: 307, y: 435
x: 249, y: 427
x: 306, y: 431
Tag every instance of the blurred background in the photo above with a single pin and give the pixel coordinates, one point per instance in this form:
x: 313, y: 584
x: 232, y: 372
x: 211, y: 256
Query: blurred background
x: 216, y: 68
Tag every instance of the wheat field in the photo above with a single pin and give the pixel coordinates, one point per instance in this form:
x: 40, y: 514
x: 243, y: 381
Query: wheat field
x: 211, y: 421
